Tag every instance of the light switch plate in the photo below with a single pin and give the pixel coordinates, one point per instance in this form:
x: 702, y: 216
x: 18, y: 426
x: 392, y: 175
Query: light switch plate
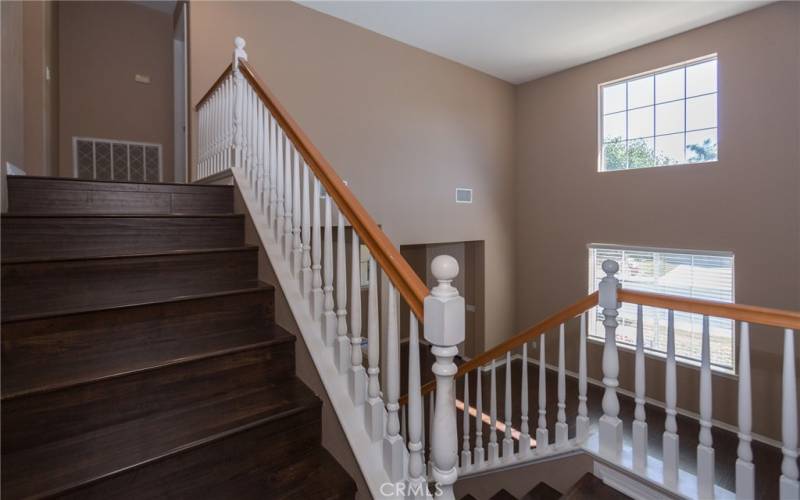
x: 142, y: 78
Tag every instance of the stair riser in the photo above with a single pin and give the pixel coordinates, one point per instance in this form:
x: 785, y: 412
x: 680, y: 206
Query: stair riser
x: 261, y: 458
x: 124, y: 334
x: 65, y: 196
x: 45, y: 417
x: 41, y: 288
x: 76, y: 237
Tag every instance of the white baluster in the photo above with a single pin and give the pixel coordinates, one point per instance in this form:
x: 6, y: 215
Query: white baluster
x: 279, y: 169
x: 297, y: 242
x: 508, y: 441
x: 305, y: 233
x: 745, y: 470
x: 670, y: 438
x: 329, y: 320
x: 705, y: 450
x: 374, y: 406
x: 493, y: 448
x: 610, y: 426
x: 342, y: 343
x: 392, y: 442
x: 639, y: 423
x: 273, y: 172
x: 404, y: 424
x: 316, y: 256
x: 288, y: 238
x: 416, y: 414
x: 479, y: 454
x: 238, y: 90
x: 542, y: 438
x: 466, y: 454
x: 431, y: 415
x: 582, y: 420
x: 358, y: 376
x: 444, y: 329
x: 262, y: 151
x: 561, y: 414
x: 789, y: 485
x: 264, y: 194
x: 525, y: 433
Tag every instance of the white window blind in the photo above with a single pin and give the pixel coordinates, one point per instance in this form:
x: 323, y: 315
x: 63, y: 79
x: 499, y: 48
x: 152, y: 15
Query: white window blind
x: 686, y: 273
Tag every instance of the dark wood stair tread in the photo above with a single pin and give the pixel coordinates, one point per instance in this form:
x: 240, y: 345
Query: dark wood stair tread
x: 591, y: 487
x: 542, y: 491
x: 503, y: 495
x: 28, y: 194
x: 41, y: 289
x: 107, y: 361
x: 63, y: 465
x: 74, y: 236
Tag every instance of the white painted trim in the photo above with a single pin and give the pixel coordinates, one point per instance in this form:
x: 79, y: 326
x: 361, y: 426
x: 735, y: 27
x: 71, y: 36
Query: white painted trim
x: 368, y: 453
x: 639, y: 248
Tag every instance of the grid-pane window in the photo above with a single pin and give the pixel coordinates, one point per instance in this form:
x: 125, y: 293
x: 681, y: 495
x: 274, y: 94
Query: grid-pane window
x: 667, y: 117
x: 695, y: 274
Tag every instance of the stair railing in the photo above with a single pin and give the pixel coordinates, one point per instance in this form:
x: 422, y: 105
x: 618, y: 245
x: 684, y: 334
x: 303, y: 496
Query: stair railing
x: 288, y: 184
x: 518, y: 445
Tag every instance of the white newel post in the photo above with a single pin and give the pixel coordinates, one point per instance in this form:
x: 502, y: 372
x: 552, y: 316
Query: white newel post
x: 610, y: 426
x: 238, y: 90
x: 444, y: 329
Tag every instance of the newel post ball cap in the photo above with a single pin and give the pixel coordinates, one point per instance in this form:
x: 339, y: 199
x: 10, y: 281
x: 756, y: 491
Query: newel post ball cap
x: 444, y: 268
x: 444, y: 307
x: 239, y: 42
x: 610, y: 267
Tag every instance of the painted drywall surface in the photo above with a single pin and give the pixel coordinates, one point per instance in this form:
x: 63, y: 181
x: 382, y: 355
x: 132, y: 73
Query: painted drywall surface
x: 103, y: 45
x: 13, y: 137
x: 404, y: 127
x: 747, y: 202
x: 333, y: 437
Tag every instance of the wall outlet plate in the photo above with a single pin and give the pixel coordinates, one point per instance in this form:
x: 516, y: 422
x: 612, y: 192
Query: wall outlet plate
x: 142, y: 78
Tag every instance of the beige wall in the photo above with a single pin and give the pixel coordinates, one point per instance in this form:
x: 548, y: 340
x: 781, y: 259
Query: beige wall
x: 11, y: 83
x: 103, y: 45
x: 404, y: 127
x: 748, y: 202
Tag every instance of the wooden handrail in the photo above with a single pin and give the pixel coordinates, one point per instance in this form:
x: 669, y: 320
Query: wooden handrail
x: 213, y: 87
x: 408, y: 284
x: 519, y: 339
x: 739, y: 312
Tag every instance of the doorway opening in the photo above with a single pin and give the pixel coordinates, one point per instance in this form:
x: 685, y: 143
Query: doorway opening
x: 469, y: 282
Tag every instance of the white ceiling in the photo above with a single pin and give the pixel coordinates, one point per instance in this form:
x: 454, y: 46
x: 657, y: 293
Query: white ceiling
x: 524, y: 40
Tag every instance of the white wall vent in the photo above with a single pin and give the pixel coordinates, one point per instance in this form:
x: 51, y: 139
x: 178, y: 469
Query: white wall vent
x: 463, y: 195
x: 112, y: 160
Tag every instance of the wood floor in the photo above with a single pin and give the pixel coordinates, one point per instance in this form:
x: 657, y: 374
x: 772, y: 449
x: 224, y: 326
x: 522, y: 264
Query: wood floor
x: 140, y: 358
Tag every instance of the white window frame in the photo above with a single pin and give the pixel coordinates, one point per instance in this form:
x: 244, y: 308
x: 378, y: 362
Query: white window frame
x: 596, y: 337
x: 663, y: 69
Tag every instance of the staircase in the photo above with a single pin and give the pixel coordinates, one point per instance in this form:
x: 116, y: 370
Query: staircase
x: 140, y: 357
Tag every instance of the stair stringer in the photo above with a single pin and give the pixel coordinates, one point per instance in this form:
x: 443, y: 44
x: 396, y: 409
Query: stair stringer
x: 368, y: 453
